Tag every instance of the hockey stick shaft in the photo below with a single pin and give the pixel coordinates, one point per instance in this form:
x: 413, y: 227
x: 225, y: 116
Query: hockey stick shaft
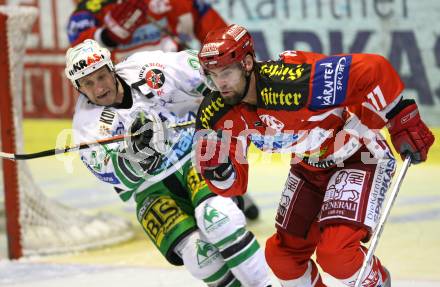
x: 383, y: 219
x: 80, y: 146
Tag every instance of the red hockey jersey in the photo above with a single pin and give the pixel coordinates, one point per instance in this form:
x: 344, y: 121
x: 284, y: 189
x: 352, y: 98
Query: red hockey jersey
x: 321, y: 109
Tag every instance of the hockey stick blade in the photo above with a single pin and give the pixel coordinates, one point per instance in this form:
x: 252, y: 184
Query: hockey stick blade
x: 52, y: 152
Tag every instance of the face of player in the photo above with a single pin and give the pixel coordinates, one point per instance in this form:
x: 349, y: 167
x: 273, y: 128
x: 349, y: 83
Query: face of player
x: 100, y: 87
x: 230, y: 82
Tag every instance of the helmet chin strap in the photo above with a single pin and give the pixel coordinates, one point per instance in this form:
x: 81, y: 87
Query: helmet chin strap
x: 246, y: 87
x: 116, y: 82
x: 117, y: 88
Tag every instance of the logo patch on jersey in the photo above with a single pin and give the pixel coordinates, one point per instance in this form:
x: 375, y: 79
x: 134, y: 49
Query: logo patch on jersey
x: 178, y: 150
x: 211, y: 110
x: 282, y: 97
x: 283, y: 86
x: 82, y: 64
x: 330, y: 82
x: 288, y: 196
x: 213, y: 219
x: 155, y: 79
x: 382, y: 180
x: 206, y: 253
x: 160, y: 217
x: 284, y: 72
x: 106, y: 121
x: 343, y: 194
x: 109, y: 177
x: 195, y: 182
x: 272, y: 122
x: 95, y: 166
x: 194, y: 63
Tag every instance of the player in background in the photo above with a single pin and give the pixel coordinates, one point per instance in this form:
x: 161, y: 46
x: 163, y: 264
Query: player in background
x: 326, y: 112
x: 136, y: 25
x: 133, y: 25
x: 144, y: 95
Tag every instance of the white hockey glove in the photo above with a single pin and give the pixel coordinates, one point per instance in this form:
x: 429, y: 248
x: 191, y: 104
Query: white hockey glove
x: 149, y: 141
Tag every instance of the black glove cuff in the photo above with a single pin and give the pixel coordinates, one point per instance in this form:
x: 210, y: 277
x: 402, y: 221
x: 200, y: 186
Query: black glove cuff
x: 220, y: 173
x: 400, y: 106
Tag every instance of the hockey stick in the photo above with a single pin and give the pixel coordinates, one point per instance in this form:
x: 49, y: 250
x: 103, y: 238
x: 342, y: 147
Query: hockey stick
x: 382, y: 220
x: 51, y: 152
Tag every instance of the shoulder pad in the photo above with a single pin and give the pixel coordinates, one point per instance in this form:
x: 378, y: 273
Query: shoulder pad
x: 211, y: 110
x: 299, y: 57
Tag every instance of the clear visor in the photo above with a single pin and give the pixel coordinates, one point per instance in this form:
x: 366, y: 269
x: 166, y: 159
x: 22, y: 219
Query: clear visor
x: 225, y: 77
x: 208, y: 80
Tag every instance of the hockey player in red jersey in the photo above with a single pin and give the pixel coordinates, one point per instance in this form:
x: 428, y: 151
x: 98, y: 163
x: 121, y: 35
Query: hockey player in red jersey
x: 326, y: 112
x: 132, y: 25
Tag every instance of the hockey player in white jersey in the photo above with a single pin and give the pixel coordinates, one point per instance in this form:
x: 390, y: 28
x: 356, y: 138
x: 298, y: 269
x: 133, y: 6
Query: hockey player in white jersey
x: 144, y: 95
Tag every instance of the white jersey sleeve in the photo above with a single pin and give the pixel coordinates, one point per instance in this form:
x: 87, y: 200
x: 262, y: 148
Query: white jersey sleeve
x: 168, y: 84
x: 92, y: 123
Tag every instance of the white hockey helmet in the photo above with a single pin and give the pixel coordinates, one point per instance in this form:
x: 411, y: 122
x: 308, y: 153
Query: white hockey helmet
x: 84, y: 59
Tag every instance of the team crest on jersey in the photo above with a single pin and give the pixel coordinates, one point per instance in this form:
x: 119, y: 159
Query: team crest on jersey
x: 155, y: 78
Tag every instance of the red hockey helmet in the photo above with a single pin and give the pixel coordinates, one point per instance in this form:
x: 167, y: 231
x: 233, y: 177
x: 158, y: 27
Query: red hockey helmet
x: 225, y: 46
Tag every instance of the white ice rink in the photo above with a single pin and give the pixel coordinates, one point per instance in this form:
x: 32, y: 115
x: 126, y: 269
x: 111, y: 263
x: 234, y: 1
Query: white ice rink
x: 30, y: 274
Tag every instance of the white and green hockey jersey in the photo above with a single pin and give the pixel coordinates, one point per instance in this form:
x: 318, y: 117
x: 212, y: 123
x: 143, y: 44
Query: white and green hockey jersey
x: 168, y: 84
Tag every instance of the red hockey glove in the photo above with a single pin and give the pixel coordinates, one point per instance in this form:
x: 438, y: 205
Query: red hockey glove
x: 124, y: 18
x: 212, y: 157
x: 409, y: 134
